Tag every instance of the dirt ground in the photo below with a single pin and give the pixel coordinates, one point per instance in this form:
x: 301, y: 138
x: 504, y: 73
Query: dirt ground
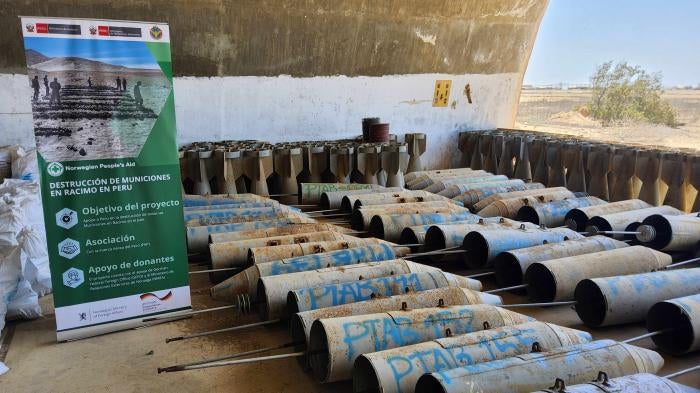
x: 549, y: 110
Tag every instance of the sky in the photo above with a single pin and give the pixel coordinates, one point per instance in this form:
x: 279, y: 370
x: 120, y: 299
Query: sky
x: 576, y: 36
x: 133, y: 54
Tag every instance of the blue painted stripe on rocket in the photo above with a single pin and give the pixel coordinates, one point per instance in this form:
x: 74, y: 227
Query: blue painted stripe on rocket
x: 230, y: 213
x: 345, y: 257
x: 239, y: 226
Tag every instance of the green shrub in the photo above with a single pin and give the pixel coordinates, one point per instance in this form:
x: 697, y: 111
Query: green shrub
x: 623, y: 93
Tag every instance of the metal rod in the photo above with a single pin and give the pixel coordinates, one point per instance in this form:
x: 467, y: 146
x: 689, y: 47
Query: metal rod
x: 192, y: 313
x: 303, y: 205
x: 679, y: 373
x: 230, y: 329
x: 231, y: 362
x: 329, y: 215
x: 480, y: 274
x: 409, y: 245
x: 240, y: 354
x: 549, y: 304
x: 422, y: 254
x: 281, y: 195
x: 223, y: 269
x: 506, y: 288
x: 321, y: 211
x: 682, y: 263
x: 647, y: 335
x: 611, y: 233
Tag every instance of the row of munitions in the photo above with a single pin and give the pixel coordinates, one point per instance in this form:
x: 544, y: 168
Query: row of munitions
x: 610, y: 172
x: 261, y: 168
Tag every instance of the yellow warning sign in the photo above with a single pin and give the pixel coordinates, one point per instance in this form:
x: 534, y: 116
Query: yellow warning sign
x: 442, y: 92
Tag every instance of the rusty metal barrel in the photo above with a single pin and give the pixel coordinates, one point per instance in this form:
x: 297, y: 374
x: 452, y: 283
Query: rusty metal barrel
x: 272, y: 290
x: 642, y: 382
x: 335, y: 343
x: 390, y: 226
x: 291, y: 229
x: 476, y: 194
x: 397, y: 370
x: 235, y: 253
x: 361, y: 218
x: 414, y: 234
x: 616, y: 300
x: 552, y: 214
x: 511, y: 265
x: 275, y: 253
x: 335, y: 294
x: 556, y: 279
x: 247, y: 280
x: 576, y: 219
x: 681, y: 316
x: 483, y: 246
x: 430, y: 296
x: 621, y: 221
x: 334, y: 199
x: 524, y: 373
x: 198, y: 236
x: 522, y: 194
x: 457, y: 189
x: 670, y: 233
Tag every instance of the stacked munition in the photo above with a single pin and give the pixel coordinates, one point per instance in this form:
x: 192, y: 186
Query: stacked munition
x: 552, y: 214
x: 472, y: 194
x: 509, y: 207
x: 312, y: 193
x: 390, y: 226
x: 442, y: 236
x: 274, y: 253
x: 576, y: 219
x: 626, y: 221
x: 680, y: 318
x: 670, y: 233
x: 334, y: 199
x: 361, y: 217
x: 642, y: 382
x: 355, y: 201
x: 458, y: 187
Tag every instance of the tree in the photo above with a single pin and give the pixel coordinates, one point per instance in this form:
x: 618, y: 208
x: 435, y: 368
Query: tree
x: 623, y: 93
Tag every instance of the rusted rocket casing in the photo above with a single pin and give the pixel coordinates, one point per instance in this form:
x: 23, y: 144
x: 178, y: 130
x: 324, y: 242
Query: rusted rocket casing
x: 442, y: 236
x: 440, y: 185
x: 670, y: 233
x: 511, y: 265
x: 198, y: 236
x: 524, y: 373
x: 291, y: 229
x: 455, y: 190
x: 301, y: 321
x: 361, y: 218
x: 394, y: 159
x: 274, y: 253
x: 648, y: 170
x: 217, y: 166
x: 489, y: 149
x: 556, y: 279
x: 643, y: 382
x: 334, y: 199
x: 311, y: 193
x: 556, y: 175
x: 247, y: 280
x: 484, y: 245
x: 576, y: 219
x: 414, y: 234
x: 368, y: 162
x: 682, y: 317
x: 477, y: 194
x: 507, y: 155
x: 541, y: 170
x: 409, y: 177
x: 272, y: 290
x: 575, y: 170
x: 335, y: 343
x: 225, y: 217
x: 476, y: 161
x: 233, y: 170
x: 620, y: 221
x: 199, y: 169
x: 233, y: 205
x: 599, y: 163
x: 416, y: 147
x: 356, y: 201
x: 675, y: 175
x: 332, y: 295
x: 193, y: 214
x: 425, y: 181
x: 390, y: 226
x: 510, y: 207
x: 625, y: 299
x: 341, y: 163
x: 623, y: 168
x: 235, y: 253
x: 218, y: 199
x: 552, y: 214
x: 523, y: 168
x: 518, y: 194
x: 318, y: 163
x: 465, y: 143
x: 257, y: 167
x: 288, y: 163
x: 397, y: 370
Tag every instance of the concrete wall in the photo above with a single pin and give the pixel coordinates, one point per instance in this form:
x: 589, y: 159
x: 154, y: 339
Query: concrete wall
x: 296, y: 70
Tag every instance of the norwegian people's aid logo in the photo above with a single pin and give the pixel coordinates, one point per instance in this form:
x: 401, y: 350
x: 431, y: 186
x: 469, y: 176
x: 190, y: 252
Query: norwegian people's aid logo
x: 29, y: 27
x: 93, y: 30
x: 55, y: 169
x: 156, y: 33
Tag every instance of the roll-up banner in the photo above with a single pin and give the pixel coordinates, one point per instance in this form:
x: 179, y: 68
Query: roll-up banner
x: 104, y: 122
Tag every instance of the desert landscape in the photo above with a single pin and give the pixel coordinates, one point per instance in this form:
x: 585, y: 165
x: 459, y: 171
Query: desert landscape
x: 555, y: 111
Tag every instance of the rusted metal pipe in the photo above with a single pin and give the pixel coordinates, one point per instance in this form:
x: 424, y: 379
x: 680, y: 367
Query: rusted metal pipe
x: 556, y: 279
x: 458, y: 189
x: 361, y: 218
x: 310, y: 193
x: 483, y: 246
x: 521, y: 194
x: 425, y: 181
x: 274, y: 253
x: 397, y: 370
x: 621, y: 221
x: 411, y: 176
x: 335, y: 343
x: 246, y: 281
x: 616, y: 300
x: 440, y: 185
x: 223, y: 217
x: 390, y: 226
x: 576, y: 219
x: 511, y: 265
x: 670, y: 233
x: 525, y: 373
x: 642, y: 382
x: 334, y: 199
x: 682, y: 315
x: 509, y: 207
x: 552, y: 214
x: 291, y: 229
x: 393, y: 198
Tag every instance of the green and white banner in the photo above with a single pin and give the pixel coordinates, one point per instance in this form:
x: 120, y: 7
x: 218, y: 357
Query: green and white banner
x: 104, y: 122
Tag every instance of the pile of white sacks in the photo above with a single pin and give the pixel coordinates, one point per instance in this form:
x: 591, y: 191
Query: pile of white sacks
x: 24, y: 262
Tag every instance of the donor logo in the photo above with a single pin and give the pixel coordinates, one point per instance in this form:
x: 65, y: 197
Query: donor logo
x: 55, y: 169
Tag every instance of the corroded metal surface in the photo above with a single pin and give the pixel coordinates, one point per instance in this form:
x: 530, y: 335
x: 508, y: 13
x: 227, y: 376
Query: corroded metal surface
x: 524, y: 373
x: 274, y: 253
x: 390, y: 226
x: 272, y: 290
x: 397, y: 370
x: 552, y: 214
x: 233, y: 205
x: 393, y: 198
x: 636, y: 383
x: 455, y: 190
x: 620, y: 221
x: 335, y: 343
x: 511, y: 265
x: 624, y: 299
x: 425, y: 181
x: 556, y: 279
x: 441, y: 185
x: 520, y: 194
x: 334, y: 199
x: 310, y: 193
x: 440, y: 236
x: 510, y: 207
x: 247, y: 280
x: 483, y: 246
x: 473, y: 195
x: 217, y: 217
x: 670, y: 233
x: 682, y: 317
x: 361, y: 217
x: 275, y: 231
x: 577, y: 218
x: 411, y: 176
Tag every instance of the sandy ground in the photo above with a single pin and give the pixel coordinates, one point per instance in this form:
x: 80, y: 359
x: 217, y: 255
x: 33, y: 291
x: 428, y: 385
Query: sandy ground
x: 554, y: 111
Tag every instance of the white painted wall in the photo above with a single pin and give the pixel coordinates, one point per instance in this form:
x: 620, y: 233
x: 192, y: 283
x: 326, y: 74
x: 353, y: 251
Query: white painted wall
x: 284, y: 108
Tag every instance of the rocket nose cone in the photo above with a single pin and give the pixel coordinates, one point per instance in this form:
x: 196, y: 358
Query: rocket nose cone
x: 568, y: 336
x: 229, y: 288
x: 646, y: 360
x: 513, y: 318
